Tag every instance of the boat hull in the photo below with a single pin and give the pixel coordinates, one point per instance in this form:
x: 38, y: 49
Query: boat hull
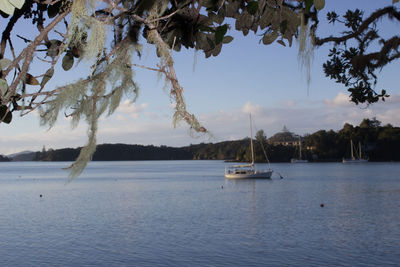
x: 354, y: 160
x: 299, y: 161
x: 254, y: 175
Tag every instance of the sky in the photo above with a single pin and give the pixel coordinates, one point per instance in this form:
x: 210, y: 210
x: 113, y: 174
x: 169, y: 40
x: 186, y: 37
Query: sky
x: 247, y: 77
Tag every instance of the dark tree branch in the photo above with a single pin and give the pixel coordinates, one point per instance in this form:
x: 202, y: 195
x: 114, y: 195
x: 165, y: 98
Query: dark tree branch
x: 389, y: 11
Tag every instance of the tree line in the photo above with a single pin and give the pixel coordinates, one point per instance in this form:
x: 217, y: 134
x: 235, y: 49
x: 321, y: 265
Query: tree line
x: 379, y: 143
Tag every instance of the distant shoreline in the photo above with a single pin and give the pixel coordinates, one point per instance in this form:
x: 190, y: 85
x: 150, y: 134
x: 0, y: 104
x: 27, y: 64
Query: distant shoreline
x: 377, y: 143
x: 125, y: 152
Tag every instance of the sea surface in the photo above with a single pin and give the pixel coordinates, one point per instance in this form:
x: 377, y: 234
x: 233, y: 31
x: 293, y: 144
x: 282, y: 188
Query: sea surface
x: 185, y: 213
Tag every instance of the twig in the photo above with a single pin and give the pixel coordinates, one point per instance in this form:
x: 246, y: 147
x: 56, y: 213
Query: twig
x: 60, y: 33
x: 29, y: 51
x: 24, y: 39
x: 165, y: 17
x: 145, y: 67
x: 44, y: 60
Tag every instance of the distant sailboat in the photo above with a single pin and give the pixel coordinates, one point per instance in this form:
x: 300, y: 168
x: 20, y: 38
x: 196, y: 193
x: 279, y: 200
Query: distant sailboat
x: 299, y: 160
x: 247, y: 171
x: 355, y: 158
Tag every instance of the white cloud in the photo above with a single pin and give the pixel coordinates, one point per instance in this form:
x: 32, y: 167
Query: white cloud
x: 341, y: 100
x: 393, y: 99
x: 390, y: 116
x: 290, y: 103
x: 131, y: 109
x: 250, y: 108
x: 59, y: 136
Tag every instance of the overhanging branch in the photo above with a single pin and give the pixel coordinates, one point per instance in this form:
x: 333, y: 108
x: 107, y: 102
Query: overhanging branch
x: 390, y: 11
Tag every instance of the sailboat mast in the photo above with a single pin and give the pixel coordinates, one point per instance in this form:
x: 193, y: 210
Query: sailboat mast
x: 251, y: 141
x: 299, y: 148
x: 351, y: 145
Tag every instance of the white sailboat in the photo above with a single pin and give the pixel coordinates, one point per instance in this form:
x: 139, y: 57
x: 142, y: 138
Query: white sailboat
x: 299, y: 160
x: 355, y: 159
x: 247, y: 171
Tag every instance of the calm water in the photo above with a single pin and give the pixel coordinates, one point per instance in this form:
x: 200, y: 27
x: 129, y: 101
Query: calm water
x: 184, y: 213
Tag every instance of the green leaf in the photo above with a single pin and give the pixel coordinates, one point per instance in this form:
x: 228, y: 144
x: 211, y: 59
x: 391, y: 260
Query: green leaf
x: 47, y: 76
x: 216, y: 18
x: 308, y: 6
x: 210, y: 42
x: 17, y: 3
x: 220, y: 18
x: 227, y: 39
x: 6, y: 7
x: 177, y: 46
x: 281, y: 42
x: 319, y: 4
x: 68, y: 61
x: 283, y: 26
x: 3, y: 86
x: 252, y: 7
x: 395, y: 1
x: 8, y: 116
x: 201, y: 41
x: 216, y: 50
x: 219, y: 33
x: 4, y: 63
x: 267, y: 17
x: 209, y: 4
x: 270, y: 38
x: 29, y: 79
x: 232, y: 8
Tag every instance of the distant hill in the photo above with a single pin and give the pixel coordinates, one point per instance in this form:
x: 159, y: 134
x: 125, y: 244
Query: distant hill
x: 22, y: 156
x: 3, y: 158
x: 238, y: 150
x: 113, y: 152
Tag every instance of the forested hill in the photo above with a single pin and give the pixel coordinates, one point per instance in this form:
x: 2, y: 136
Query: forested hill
x: 110, y: 152
x: 379, y: 143
x: 2, y: 158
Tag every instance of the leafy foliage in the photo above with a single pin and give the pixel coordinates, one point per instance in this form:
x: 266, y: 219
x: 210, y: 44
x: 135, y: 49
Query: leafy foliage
x: 351, y: 61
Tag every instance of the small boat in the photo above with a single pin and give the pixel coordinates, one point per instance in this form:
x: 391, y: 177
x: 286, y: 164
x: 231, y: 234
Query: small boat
x: 355, y: 159
x: 299, y: 160
x: 248, y: 171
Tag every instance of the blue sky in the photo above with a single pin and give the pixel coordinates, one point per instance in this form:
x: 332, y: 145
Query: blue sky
x: 246, y: 77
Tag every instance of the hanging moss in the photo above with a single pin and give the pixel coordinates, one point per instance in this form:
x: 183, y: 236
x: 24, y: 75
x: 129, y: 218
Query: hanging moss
x: 91, y: 98
x: 306, y: 48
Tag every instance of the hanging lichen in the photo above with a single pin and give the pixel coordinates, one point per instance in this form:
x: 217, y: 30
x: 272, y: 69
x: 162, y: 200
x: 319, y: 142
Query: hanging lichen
x: 91, y: 98
x: 167, y: 68
x: 86, y: 29
x: 306, y: 48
